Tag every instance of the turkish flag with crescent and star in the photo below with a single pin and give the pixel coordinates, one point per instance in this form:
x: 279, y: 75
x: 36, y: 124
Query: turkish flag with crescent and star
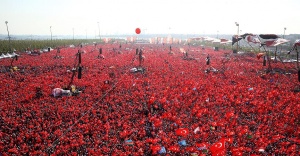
x: 218, y: 148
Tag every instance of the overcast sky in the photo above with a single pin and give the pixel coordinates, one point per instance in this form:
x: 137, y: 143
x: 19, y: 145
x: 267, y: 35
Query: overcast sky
x: 26, y: 17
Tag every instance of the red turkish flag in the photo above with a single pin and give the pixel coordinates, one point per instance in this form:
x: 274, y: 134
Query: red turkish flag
x: 252, y: 38
x: 174, y: 148
x: 229, y: 114
x: 259, y: 55
x: 155, y: 149
x: 182, y: 132
x: 218, y: 148
x: 202, y: 146
x: 297, y: 42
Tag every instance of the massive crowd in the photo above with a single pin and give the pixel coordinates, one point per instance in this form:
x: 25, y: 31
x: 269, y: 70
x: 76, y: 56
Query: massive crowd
x: 177, y: 106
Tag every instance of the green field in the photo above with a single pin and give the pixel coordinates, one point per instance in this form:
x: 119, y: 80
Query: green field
x: 22, y: 45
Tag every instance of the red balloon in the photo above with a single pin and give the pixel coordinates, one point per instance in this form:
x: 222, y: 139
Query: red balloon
x: 137, y: 30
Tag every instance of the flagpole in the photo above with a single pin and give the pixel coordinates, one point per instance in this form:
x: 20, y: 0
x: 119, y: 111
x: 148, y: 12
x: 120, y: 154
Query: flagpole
x: 86, y: 34
x: 8, y: 36
x: 297, y: 56
x: 237, y: 39
x: 237, y: 43
x: 99, y: 31
x: 73, y: 35
x: 51, y: 32
x: 275, y: 55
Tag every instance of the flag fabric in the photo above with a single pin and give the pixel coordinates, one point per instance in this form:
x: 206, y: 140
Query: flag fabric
x: 218, y: 148
x: 280, y: 41
x: 246, y: 34
x: 216, y: 41
x: 235, y: 39
x: 268, y: 36
x: 269, y: 43
x: 174, y: 148
x: 155, y: 149
x: 274, y: 43
x: 182, y: 132
x: 208, y: 39
x: 223, y: 41
x: 196, y: 130
x: 202, y: 146
x: 297, y: 42
x: 259, y: 55
x: 252, y: 38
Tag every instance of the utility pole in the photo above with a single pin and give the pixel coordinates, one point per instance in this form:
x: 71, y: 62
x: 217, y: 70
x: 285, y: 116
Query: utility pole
x: 238, y: 30
x: 99, y: 30
x: 73, y: 34
x: 51, y: 32
x: 86, y: 34
x: 284, y: 32
x: 8, y: 36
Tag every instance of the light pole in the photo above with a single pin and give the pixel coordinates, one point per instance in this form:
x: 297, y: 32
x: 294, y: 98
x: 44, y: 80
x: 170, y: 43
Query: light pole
x: 73, y: 34
x: 169, y: 37
x: 51, y: 32
x: 216, y: 47
x: 86, y: 34
x: 8, y: 36
x: 99, y: 30
x: 144, y: 32
x: 237, y: 43
x: 284, y: 32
